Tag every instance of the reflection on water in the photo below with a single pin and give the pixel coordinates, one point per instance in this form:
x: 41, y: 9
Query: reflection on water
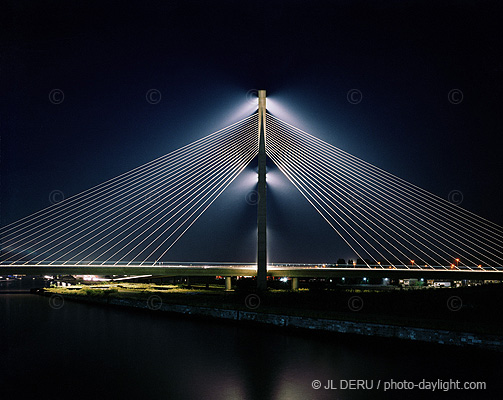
x: 101, y: 352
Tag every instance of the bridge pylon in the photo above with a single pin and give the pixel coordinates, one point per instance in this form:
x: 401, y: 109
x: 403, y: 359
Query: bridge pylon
x: 262, y: 193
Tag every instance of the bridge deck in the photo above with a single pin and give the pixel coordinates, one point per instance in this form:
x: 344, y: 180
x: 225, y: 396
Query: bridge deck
x: 276, y: 270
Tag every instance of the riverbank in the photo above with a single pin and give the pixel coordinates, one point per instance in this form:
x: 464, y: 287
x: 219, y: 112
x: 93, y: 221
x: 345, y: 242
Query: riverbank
x: 282, y: 309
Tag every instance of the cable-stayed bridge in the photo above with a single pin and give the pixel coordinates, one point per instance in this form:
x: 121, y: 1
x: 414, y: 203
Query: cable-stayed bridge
x: 128, y: 224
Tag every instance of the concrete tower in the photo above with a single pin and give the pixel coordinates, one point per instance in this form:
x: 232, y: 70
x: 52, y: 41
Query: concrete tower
x: 262, y: 193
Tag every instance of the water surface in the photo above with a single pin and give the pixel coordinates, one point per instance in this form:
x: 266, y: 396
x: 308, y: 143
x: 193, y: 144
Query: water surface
x: 102, y: 353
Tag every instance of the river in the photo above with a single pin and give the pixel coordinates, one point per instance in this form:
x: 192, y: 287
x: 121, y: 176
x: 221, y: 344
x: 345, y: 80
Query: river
x: 89, y: 351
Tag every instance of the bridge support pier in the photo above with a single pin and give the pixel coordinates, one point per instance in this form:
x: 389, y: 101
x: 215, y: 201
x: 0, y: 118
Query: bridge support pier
x: 295, y: 283
x: 228, y: 283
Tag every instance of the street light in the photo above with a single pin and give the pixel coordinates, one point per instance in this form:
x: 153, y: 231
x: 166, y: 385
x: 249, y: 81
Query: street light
x: 457, y: 262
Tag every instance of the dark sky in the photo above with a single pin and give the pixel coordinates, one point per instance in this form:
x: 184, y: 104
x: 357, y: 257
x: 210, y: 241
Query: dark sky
x: 204, y: 57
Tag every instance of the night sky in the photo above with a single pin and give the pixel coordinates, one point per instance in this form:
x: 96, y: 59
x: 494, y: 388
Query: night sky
x: 204, y: 58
